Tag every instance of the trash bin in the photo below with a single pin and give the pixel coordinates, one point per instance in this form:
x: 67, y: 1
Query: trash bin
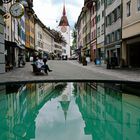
x: 98, y: 61
x: 84, y: 61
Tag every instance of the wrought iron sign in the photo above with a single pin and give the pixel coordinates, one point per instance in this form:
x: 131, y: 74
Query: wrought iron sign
x: 6, y: 1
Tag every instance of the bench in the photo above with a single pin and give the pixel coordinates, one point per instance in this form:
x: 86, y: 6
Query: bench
x: 36, y: 70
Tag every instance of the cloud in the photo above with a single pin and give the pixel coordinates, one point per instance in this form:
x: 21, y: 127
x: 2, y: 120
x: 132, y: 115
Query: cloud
x: 50, y: 11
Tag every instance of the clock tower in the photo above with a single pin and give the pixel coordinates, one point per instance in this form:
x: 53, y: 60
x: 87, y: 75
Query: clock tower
x: 64, y: 28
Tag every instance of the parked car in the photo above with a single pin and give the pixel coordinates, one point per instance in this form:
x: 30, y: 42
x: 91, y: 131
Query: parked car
x: 64, y: 57
x: 73, y: 58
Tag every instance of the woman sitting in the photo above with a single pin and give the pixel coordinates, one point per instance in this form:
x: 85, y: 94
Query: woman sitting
x: 42, y: 65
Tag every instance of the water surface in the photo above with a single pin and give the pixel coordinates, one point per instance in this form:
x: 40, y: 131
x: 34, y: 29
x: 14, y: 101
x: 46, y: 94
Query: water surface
x: 69, y: 111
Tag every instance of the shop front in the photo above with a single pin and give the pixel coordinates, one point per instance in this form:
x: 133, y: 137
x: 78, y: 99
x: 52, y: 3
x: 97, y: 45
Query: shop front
x: 131, y: 52
x: 13, y: 53
x: 93, y: 51
x: 100, y: 52
x: 113, y: 53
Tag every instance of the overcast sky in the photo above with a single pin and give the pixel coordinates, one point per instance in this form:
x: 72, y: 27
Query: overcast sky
x: 50, y: 11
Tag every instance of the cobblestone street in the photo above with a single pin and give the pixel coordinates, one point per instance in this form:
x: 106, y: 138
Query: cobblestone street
x: 70, y: 71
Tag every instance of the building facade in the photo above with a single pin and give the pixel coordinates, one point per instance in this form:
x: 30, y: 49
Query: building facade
x: 79, y: 29
x: 2, y: 46
x: 113, y: 27
x: 93, y: 32
x: 44, y: 40
x: 131, y: 33
x: 100, y: 30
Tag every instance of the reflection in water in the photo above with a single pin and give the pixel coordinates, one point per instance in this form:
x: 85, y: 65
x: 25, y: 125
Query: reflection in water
x: 108, y: 114
x: 65, y: 111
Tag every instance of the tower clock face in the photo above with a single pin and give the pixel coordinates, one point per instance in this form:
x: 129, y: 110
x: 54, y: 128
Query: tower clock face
x: 17, y: 10
x: 63, y: 29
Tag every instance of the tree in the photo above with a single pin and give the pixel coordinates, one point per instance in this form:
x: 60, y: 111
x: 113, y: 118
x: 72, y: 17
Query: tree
x: 74, y: 37
x: 58, y: 36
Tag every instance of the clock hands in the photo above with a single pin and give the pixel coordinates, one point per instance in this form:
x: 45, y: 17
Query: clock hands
x: 17, y: 10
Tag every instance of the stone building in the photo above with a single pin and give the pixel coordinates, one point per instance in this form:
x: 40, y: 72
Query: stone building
x: 113, y: 27
x: 93, y: 32
x: 100, y: 29
x: 131, y: 33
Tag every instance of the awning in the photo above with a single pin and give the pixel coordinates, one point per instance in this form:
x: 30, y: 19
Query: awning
x: 10, y: 44
x: 22, y: 47
x: 14, y: 44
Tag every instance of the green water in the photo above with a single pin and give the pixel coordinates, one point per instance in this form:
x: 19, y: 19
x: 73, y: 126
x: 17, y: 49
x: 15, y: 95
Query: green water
x: 68, y: 111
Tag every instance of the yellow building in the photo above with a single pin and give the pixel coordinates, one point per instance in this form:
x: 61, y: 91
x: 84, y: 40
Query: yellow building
x: 131, y: 33
x: 29, y: 33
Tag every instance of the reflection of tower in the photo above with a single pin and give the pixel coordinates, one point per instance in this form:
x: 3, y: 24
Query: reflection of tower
x: 64, y: 28
x: 65, y: 104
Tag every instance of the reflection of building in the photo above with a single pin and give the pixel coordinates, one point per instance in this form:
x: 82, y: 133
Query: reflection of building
x: 131, y: 115
x: 19, y: 108
x: 65, y: 104
x: 107, y: 113
x: 65, y: 99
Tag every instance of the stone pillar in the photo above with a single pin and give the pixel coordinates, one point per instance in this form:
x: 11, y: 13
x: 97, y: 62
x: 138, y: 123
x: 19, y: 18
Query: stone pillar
x: 2, y: 45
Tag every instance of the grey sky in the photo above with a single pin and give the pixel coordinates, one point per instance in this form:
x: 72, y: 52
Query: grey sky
x: 50, y: 11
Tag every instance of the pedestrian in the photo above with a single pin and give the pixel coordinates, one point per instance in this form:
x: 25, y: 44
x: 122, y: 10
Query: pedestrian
x: 21, y: 61
x: 41, y: 64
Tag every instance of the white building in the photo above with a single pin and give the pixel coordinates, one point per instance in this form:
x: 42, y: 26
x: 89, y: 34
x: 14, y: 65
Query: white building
x: 64, y: 28
x: 44, y: 40
x: 100, y: 29
x: 113, y: 29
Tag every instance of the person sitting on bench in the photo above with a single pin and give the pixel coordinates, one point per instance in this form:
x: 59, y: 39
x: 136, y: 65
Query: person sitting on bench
x: 41, y: 65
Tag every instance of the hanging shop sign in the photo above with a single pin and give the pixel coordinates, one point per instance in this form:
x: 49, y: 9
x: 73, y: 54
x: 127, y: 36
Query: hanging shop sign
x: 6, y: 1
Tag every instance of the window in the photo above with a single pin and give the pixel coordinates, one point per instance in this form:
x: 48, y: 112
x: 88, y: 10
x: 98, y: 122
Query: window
x: 93, y: 10
x: 108, y: 2
x: 98, y: 5
x: 108, y: 39
x: 128, y: 120
x: 98, y: 31
x: 108, y: 20
x: 94, y: 35
x: 138, y: 3
x: 138, y: 126
x: 118, y: 35
x: 112, y: 17
x: 102, y: 2
x: 112, y: 37
x: 98, y: 18
x: 118, y: 12
x: 103, y: 13
x: 128, y: 8
x: 102, y: 29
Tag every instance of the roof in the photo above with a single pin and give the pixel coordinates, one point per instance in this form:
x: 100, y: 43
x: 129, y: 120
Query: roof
x: 64, y: 20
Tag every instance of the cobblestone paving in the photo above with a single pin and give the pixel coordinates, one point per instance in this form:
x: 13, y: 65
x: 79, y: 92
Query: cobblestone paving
x: 70, y: 70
